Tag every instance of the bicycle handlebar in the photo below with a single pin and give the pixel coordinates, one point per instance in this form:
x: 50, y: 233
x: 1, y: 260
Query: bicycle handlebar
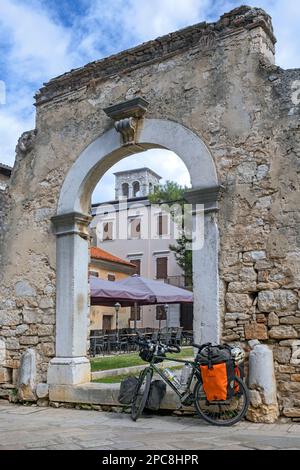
x: 173, y: 348
x: 140, y: 341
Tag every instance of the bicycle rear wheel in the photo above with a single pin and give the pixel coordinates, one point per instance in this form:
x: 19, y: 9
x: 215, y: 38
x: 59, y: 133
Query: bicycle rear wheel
x: 141, y: 394
x: 222, y: 414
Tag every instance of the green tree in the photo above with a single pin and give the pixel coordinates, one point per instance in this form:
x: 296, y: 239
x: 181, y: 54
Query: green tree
x: 173, y: 192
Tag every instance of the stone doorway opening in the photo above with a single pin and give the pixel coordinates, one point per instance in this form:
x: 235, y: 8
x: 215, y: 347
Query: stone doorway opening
x: 71, y: 365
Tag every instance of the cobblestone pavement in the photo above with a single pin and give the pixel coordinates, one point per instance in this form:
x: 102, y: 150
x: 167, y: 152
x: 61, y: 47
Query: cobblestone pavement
x: 31, y: 427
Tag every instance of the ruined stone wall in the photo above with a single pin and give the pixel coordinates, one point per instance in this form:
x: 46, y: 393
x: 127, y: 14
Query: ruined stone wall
x: 218, y: 80
x: 260, y: 242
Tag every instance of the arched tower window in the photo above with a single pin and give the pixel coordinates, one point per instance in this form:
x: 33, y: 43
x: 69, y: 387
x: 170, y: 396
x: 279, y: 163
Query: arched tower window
x: 136, y: 189
x: 150, y: 188
x: 125, y: 189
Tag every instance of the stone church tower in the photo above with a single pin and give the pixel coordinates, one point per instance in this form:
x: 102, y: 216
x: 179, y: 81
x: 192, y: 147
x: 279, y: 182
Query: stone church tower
x: 135, y: 183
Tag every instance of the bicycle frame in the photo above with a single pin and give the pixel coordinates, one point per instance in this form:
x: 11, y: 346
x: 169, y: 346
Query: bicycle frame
x: 159, y: 371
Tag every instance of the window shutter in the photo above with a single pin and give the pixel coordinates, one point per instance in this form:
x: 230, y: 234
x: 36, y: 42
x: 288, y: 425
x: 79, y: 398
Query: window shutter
x: 107, y: 231
x: 160, y: 313
x: 161, y: 268
x: 138, y: 313
x: 137, y: 263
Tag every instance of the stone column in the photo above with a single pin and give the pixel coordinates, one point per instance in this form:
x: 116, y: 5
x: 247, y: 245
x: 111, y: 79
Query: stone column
x: 71, y: 366
x: 205, y: 266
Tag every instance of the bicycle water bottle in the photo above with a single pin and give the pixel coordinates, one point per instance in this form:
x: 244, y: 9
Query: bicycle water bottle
x: 185, y: 374
x: 172, y: 377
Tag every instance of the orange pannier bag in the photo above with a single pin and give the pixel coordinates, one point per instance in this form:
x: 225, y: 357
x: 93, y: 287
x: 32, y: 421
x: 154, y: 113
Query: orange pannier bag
x: 215, y: 381
x: 237, y: 373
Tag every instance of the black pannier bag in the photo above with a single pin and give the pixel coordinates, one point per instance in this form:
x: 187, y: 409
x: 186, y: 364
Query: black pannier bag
x: 217, y: 372
x: 127, y: 390
x: 156, y: 394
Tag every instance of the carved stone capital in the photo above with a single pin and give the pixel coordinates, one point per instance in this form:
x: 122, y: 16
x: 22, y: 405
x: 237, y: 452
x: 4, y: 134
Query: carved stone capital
x: 127, y: 128
x: 207, y: 196
x: 72, y: 223
x: 126, y: 116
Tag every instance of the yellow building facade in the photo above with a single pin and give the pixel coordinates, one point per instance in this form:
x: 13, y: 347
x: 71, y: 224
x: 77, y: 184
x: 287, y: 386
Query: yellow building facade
x: 108, y: 267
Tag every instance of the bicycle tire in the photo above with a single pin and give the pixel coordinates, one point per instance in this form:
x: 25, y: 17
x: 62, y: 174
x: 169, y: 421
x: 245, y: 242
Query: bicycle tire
x: 138, y: 406
x: 215, y: 417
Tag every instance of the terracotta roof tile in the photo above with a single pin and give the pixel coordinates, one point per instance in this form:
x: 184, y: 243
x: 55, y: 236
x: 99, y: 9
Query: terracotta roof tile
x: 98, y: 253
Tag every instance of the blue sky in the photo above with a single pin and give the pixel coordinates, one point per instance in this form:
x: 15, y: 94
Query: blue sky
x: 40, y: 39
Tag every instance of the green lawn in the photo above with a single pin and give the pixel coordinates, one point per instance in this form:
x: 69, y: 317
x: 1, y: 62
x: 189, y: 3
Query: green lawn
x: 128, y: 360
x: 118, y: 378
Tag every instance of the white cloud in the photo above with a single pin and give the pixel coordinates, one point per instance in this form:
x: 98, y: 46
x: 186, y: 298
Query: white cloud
x: 286, y: 21
x: 37, y: 47
x: 11, y: 127
x: 135, y: 21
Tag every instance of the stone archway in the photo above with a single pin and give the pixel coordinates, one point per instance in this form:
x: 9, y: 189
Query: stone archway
x: 71, y: 366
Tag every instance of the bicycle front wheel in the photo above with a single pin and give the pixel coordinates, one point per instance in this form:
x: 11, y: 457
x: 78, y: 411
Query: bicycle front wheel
x: 222, y: 413
x: 141, y: 394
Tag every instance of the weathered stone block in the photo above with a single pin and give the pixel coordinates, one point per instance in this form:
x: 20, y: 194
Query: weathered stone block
x: 21, y: 329
x: 285, y: 369
x: 282, y: 354
x: 238, y: 302
x: 45, y: 330
x: 230, y: 324
x: 46, y: 302
x: 289, y: 386
x: 5, y: 375
x: 27, y: 376
x: 256, y: 331
x: 291, y: 412
x: 295, y: 377
x: 10, y: 318
x: 261, y: 318
x: 12, y: 343
x: 29, y: 340
x: 242, y: 287
x: 48, y: 349
x: 273, y: 319
x: 283, y: 332
x: 247, y: 274
x: 252, y: 256
x: 31, y: 316
x: 42, y: 402
x: 24, y: 289
x: 255, y: 398
x: 42, y: 390
x: 2, y: 352
x: 236, y: 316
x: 263, y: 414
x: 280, y: 299
x: 230, y: 336
x: 290, y: 320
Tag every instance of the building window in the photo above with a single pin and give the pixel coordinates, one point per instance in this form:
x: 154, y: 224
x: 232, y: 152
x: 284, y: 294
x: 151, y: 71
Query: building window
x: 135, y: 228
x: 138, y: 313
x: 125, y: 189
x: 161, y: 312
x: 111, y: 277
x: 136, y: 189
x: 162, y: 224
x: 107, y: 231
x: 137, y: 263
x: 93, y: 273
x: 162, y: 268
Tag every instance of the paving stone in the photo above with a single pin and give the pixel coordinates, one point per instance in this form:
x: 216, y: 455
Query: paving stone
x: 79, y: 429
